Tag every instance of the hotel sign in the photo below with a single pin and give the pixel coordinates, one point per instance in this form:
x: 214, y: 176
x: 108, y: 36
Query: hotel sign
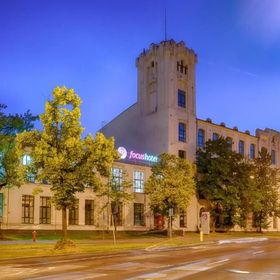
x: 136, y: 156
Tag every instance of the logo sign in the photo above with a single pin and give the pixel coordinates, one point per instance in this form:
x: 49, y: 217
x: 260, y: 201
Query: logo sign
x: 133, y: 155
x: 122, y: 152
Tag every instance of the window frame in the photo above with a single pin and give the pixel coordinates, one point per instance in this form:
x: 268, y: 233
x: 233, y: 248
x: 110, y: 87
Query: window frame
x: 139, y: 214
x: 27, y: 208
x: 201, y: 138
x: 138, y: 181
x: 182, y: 132
x: 181, y: 97
x: 45, y: 210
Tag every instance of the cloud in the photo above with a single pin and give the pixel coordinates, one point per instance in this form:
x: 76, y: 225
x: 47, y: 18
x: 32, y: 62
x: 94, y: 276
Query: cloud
x: 261, y: 18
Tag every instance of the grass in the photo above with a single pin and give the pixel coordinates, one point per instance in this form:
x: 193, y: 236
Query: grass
x: 96, y: 242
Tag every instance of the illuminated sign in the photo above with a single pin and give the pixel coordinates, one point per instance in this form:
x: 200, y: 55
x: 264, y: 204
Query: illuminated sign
x: 132, y: 155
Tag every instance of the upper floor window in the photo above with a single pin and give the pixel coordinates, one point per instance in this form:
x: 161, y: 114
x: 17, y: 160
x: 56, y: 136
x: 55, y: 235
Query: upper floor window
x: 181, y: 98
x: 200, y: 138
x: 273, y: 157
x: 182, y: 132
x: 138, y: 181
x: 229, y: 143
x: 182, y: 68
x: 252, y: 151
x: 26, y: 159
x: 215, y: 136
x: 117, y: 178
x: 241, y: 147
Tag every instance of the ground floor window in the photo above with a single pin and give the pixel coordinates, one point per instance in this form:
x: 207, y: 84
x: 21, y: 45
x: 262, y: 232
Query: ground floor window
x: 117, y: 213
x: 45, y: 210
x: 89, y: 212
x: 183, y: 219
x: 139, y: 214
x: 27, y: 209
x: 74, y: 214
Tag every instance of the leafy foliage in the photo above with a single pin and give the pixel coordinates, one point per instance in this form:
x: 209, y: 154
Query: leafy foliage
x: 10, y: 125
x: 266, y: 199
x: 222, y: 176
x: 61, y: 156
x: 171, y: 184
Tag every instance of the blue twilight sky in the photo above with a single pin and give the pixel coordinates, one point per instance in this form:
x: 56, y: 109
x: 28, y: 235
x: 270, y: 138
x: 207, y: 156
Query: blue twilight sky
x: 92, y: 46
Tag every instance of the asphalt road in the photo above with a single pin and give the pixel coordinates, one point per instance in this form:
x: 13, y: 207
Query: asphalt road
x: 241, y: 259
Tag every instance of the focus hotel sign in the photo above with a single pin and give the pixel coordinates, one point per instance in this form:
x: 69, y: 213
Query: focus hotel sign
x: 131, y: 155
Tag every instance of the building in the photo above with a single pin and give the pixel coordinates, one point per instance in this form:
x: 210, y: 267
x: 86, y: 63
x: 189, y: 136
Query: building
x: 162, y: 120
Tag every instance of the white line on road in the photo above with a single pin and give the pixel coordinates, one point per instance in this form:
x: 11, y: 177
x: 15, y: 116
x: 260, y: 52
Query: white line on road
x: 217, y: 262
x: 258, y: 252
x: 239, y: 271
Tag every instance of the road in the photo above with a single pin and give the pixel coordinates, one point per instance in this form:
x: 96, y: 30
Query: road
x: 241, y: 259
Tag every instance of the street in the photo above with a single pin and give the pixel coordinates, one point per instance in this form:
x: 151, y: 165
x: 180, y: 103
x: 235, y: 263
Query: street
x: 247, y: 258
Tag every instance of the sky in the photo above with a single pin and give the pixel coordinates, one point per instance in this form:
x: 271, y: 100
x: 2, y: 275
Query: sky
x: 91, y: 46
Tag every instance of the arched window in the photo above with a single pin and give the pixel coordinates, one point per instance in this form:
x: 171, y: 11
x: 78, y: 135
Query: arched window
x: 252, y: 151
x: 229, y: 142
x: 215, y: 136
x: 241, y: 147
x: 273, y: 157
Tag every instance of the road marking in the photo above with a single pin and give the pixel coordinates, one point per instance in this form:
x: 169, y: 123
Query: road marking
x: 239, y: 271
x: 258, y: 252
x: 217, y: 262
x: 242, y: 240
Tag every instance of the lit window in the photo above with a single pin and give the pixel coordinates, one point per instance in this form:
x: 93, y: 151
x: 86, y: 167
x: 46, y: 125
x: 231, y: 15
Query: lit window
x: 181, y: 98
x: 273, y: 157
x: 215, y: 136
x: 139, y: 214
x: 26, y: 159
x: 117, y: 178
x: 200, y: 138
x: 241, y: 147
x: 138, y: 181
x: 252, y: 151
x: 182, y: 132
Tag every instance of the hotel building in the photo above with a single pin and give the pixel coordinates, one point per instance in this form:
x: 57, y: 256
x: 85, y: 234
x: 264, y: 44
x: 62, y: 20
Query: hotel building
x: 162, y: 120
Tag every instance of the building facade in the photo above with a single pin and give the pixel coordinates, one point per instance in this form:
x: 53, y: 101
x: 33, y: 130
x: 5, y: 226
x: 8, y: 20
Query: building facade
x: 162, y: 120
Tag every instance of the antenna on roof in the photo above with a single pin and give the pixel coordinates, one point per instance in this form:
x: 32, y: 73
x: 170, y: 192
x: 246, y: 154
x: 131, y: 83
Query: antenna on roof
x: 165, y: 25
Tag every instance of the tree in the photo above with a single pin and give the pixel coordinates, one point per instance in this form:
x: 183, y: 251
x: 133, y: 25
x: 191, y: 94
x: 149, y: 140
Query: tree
x: 117, y: 193
x: 171, y: 184
x: 61, y: 156
x: 10, y: 125
x: 222, y: 176
x: 266, y: 200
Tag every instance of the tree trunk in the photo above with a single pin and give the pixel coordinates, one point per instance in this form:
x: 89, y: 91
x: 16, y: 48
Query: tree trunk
x: 64, y: 223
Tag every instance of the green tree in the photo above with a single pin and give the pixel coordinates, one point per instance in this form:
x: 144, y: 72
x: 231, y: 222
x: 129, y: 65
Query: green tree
x: 117, y: 193
x: 222, y: 175
x: 171, y: 184
x: 266, y: 199
x: 10, y: 125
x: 61, y: 156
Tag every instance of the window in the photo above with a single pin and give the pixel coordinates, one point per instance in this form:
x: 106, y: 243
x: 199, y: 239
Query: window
x: 74, y: 214
x: 1, y: 204
x: 241, y: 147
x: 117, y: 209
x: 273, y: 157
x: 181, y: 67
x: 229, y: 142
x: 200, y: 138
x: 26, y: 159
x: 181, y: 98
x: 117, y: 178
x: 139, y: 214
x: 138, y: 181
x: 252, y: 151
x: 215, y: 136
x: 89, y: 212
x: 45, y: 210
x: 27, y: 209
x: 182, y: 132
x: 182, y: 154
x: 183, y: 218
